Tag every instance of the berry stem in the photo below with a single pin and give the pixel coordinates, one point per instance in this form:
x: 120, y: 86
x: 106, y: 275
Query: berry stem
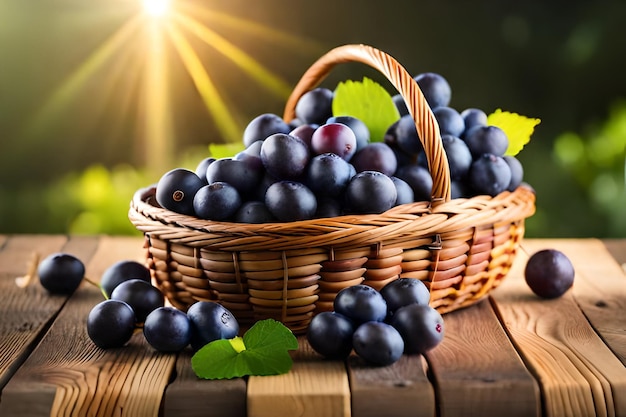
x: 24, y: 281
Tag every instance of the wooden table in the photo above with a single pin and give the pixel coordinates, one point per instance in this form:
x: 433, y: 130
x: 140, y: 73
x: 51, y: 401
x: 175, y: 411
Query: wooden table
x: 511, y: 355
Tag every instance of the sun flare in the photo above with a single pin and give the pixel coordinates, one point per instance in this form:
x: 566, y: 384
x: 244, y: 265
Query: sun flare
x: 156, y: 8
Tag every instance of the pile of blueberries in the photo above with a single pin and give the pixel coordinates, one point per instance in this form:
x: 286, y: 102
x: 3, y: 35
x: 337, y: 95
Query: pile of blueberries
x: 378, y: 326
x: 320, y: 165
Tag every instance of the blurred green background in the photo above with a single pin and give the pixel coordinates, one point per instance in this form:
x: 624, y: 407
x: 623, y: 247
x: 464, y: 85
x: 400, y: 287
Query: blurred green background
x: 99, y: 98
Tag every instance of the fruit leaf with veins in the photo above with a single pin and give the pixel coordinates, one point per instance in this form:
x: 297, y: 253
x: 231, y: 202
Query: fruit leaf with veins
x: 263, y: 350
x: 368, y: 101
x: 518, y: 128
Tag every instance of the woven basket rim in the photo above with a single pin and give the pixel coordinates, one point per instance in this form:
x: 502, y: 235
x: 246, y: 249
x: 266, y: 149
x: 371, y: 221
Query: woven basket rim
x: 415, y: 219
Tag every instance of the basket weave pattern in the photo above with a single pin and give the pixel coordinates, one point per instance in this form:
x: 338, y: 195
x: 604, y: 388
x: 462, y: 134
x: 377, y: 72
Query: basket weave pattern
x: 460, y: 248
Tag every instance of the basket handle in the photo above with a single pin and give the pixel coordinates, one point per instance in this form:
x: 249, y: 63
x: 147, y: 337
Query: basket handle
x: 425, y: 122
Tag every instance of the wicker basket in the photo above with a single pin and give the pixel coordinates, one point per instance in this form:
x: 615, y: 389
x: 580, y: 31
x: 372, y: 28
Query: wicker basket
x: 460, y: 248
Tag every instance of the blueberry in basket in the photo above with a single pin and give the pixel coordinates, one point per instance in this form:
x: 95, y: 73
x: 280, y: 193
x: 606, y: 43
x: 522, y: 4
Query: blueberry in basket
x: 333, y: 160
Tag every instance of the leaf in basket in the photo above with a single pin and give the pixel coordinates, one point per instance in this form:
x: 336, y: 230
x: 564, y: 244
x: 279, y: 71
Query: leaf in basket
x: 225, y: 150
x: 263, y: 350
x: 518, y: 128
x: 367, y: 101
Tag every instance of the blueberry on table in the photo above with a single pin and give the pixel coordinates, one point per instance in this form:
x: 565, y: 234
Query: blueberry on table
x: 210, y: 321
x: 549, y: 273
x: 421, y: 327
x: 142, y: 296
x: 61, y: 273
x: 378, y: 343
x: 404, y: 291
x: 167, y: 329
x: 360, y: 303
x: 111, y: 324
x: 330, y: 334
x: 123, y: 271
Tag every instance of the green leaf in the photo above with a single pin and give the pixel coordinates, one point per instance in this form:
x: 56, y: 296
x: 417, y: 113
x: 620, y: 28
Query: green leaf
x: 225, y: 150
x: 263, y: 350
x: 367, y: 101
x: 518, y: 128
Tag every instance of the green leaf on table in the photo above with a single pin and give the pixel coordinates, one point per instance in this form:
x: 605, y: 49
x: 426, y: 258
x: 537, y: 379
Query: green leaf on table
x: 518, y: 128
x: 263, y: 350
x: 368, y: 101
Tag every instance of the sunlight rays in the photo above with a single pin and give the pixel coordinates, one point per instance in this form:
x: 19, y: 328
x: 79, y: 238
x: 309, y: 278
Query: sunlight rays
x: 245, y: 62
x: 255, y: 30
x: 71, y: 86
x: 157, y: 120
x: 205, y: 86
x: 129, y: 74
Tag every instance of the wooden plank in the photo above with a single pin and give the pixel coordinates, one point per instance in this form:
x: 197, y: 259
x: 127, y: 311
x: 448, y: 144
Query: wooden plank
x: 617, y: 248
x: 27, y: 312
x: 67, y: 375
x: 401, y: 389
x: 599, y: 289
x: 477, y: 370
x: 190, y: 396
x: 578, y: 373
x: 314, y: 387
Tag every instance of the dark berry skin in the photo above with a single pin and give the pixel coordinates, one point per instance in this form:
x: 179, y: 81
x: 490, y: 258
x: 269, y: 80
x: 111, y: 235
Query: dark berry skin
x: 361, y: 303
x: 210, y: 321
x: 489, y: 175
x: 111, y: 324
x: 404, y: 291
x: 549, y: 273
x: 371, y: 192
x: 140, y: 295
x: 378, y: 343
x: 167, y: 329
x: 122, y: 271
x: 61, y: 273
x: 421, y: 327
x: 330, y: 335
x: 263, y: 126
x: 290, y: 201
x: 435, y: 88
x: 176, y: 189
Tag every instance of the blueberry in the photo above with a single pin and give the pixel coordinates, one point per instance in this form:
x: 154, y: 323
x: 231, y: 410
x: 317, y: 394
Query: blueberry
x: 167, y: 329
x: 378, y: 343
x: 330, y: 334
x: 111, y: 324
x: 142, y: 296
x: 404, y: 291
x: 210, y: 321
x: 360, y: 303
x: 421, y: 327
x: 123, y: 271
x: 61, y: 273
x: 549, y: 273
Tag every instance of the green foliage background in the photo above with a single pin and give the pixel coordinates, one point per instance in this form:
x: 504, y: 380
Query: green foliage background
x: 76, y: 168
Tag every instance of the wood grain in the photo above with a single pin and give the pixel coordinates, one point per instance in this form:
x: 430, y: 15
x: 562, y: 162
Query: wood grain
x: 578, y: 373
x: 190, y: 396
x: 27, y: 312
x: 314, y: 387
x: 599, y: 287
x: 67, y: 375
x: 478, y: 372
x: 401, y: 389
